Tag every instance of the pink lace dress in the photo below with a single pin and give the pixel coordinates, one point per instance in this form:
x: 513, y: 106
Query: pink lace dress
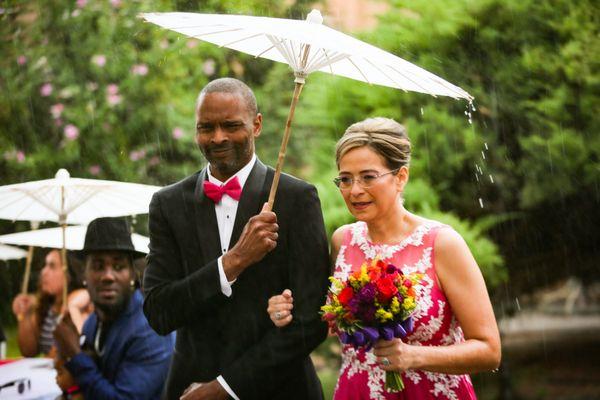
x: 361, y: 377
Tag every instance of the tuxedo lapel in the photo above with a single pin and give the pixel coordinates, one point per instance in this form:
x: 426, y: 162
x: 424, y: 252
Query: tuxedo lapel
x: 253, y: 195
x: 205, y: 220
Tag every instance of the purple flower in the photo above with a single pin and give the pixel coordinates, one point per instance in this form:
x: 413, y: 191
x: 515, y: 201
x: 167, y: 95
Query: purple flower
x: 387, y: 333
x: 391, y: 269
x: 372, y: 334
x: 367, y: 313
x: 113, y: 99
x: 56, y: 110
x: 400, y: 298
x: 46, y: 89
x: 21, y: 60
x: 177, y: 133
x: 208, y: 67
x: 367, y: 293
x: 354, y: 305
x: 95, y: 169
x: 359, y: 338
x: 408, y: 324
x: 115, y: 3
x: 399, y: 331
x: 139, y: 69
x: 154, y: 161
x: 99, y: 60
x: 20, y: 157
x: 137, y: 155
x: 71, y: 132
x: 112, y: 89
x: 81, y: 3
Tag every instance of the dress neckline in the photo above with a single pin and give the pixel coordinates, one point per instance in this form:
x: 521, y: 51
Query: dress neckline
x: 386, y: 250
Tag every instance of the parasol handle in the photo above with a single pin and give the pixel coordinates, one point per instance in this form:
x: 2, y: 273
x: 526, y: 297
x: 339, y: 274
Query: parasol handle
x: 284, y: 142
x: 63, y: 253
x: 28, y: 260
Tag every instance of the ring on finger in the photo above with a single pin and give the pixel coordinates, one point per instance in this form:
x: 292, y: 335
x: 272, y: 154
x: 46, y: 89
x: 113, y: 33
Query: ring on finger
x: 278, y: 315
x: 385, y: 362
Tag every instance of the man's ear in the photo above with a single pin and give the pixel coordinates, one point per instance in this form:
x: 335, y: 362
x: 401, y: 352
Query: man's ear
x: 257, y: 125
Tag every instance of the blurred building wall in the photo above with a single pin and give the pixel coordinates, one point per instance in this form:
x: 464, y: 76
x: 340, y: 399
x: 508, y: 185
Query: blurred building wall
x: 353, y: 15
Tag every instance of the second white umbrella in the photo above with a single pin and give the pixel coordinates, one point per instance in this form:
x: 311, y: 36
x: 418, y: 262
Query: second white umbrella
x: 74, y: 238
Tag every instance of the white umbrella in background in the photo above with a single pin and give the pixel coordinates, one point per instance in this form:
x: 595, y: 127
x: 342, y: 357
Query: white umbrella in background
x: 72, y: 200
x: 14, y: 253
x: 74, y: 238
x: 11, y: 253
x: 306, y: 46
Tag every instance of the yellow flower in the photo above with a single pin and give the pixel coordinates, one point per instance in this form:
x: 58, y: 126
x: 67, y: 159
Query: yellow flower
x: 364, y: 277
x: 383, y: 315
x: 395, y: 305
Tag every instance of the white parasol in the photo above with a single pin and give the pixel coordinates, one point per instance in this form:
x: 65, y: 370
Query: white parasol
x: 306, y: 46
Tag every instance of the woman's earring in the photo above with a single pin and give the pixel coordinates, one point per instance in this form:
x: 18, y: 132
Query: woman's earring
x: 132, y: 283
x: 84, y: 283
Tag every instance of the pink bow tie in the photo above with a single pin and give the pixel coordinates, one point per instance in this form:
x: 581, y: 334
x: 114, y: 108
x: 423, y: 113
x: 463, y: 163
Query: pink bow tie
x: 215, y: 192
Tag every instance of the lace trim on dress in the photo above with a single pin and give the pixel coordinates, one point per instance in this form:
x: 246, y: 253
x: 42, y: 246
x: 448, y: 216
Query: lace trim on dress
x: 386, y: 251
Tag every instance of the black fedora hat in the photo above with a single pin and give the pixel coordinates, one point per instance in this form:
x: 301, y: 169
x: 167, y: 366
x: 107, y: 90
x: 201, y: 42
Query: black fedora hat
x: 109, y: 234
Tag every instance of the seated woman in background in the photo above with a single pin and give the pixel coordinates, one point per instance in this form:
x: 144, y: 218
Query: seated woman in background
x: 455, y: 332
x: 38, y: 314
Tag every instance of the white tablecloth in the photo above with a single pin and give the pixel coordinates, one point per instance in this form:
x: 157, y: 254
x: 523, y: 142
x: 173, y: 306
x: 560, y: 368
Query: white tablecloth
x: 39, y: 371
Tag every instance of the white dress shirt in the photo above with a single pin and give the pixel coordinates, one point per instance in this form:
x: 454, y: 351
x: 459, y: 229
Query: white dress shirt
x: 226, y: 210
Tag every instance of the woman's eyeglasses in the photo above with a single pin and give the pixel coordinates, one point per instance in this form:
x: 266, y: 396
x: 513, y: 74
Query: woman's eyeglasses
x: 364, y: 180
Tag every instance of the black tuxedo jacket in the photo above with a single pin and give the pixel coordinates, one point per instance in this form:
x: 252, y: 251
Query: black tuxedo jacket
x: 233, y: 336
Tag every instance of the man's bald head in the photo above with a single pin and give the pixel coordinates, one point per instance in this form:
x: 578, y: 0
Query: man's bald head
x: 231, y: 86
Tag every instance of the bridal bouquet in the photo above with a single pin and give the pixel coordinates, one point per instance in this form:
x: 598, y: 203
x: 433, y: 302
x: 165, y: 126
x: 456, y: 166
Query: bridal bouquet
x: 375, y: 302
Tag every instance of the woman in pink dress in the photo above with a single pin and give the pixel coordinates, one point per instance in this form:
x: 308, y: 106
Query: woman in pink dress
x: 455, y: 332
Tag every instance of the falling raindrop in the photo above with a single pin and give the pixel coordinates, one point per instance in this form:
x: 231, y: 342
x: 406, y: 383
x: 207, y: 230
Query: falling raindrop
x: 468, y: 112
x: 491, y: 178
x: 476, y: 176
x: 483, y: 154
x: 421, y: 110
x: 481, y: 202
x: 517, y: 302
x: 486, y: 146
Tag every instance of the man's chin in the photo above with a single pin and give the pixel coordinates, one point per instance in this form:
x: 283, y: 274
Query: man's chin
x: 110, y: 307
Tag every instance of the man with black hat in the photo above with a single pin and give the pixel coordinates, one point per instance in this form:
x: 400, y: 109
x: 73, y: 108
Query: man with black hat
x: 132, y: 360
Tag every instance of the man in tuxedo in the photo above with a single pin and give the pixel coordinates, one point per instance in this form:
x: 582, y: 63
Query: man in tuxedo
x: 217, y: 254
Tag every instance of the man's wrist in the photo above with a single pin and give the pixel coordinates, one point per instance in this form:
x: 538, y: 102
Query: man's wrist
x: 232, y: 266
x: 219, y: 390
x: 69, y: 356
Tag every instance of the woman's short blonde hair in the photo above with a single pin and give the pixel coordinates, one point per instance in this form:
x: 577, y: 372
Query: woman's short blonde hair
x: 385, y: 136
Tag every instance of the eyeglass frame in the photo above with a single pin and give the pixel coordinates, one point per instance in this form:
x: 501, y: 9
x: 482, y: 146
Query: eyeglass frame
x: 21, y: 384
x: 337, y: 181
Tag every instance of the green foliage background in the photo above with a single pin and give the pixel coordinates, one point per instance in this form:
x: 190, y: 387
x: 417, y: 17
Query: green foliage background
x: 520, y: 183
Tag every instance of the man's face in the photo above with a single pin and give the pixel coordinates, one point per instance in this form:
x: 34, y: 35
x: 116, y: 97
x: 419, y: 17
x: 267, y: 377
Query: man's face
x: 108, y: 275
x: 225, y: 132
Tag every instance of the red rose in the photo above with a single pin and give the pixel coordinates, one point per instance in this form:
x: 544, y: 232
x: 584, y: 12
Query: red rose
x: 386, y: 289
x: 345, y: 295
